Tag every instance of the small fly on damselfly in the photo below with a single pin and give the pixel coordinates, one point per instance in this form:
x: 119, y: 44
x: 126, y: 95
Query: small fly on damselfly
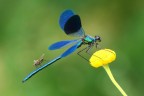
x: 39, y: 61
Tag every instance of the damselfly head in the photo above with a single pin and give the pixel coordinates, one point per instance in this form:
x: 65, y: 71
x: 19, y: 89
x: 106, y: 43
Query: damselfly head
x: 97, y: 39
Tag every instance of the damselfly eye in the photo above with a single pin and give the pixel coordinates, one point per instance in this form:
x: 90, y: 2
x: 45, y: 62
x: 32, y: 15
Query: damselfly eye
x: 98, y: 38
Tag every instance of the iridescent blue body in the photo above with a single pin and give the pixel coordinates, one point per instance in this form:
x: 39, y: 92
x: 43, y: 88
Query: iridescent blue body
x: 71, y: 25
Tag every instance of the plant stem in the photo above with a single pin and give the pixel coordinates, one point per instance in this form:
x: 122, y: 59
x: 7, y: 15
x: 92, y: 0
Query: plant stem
x: 107, y: 69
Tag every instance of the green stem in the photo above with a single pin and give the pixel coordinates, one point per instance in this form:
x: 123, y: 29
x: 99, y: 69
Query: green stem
x: 107, y: 69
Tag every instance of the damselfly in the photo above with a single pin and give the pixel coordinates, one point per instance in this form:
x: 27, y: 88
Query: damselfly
x: 71, y: 25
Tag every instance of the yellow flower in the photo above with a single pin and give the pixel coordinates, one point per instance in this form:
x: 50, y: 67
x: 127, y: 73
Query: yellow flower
x: 102, y: 58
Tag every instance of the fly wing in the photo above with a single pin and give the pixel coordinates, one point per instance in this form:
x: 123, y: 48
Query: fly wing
x: 71, y: 23
x: 42, y: 57
x: 61, y: 44
x: 71, y: 49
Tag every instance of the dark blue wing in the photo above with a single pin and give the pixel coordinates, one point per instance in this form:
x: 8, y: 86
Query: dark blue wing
x: 71, y: 23
x: 64, y: 17
x: 71, y: 49
x: 61, y: 44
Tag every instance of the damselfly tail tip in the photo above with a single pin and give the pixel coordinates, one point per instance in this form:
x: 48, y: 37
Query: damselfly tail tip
x: 23, y: 81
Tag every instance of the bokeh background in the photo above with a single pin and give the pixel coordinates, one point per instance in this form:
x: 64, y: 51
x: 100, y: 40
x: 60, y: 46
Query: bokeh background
x: 28, y: 27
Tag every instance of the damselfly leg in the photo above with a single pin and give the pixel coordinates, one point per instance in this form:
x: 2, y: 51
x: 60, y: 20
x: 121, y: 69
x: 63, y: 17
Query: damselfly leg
x: 88, y: 48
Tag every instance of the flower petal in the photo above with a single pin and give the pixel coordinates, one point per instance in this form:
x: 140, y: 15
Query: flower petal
x: 102, y: 57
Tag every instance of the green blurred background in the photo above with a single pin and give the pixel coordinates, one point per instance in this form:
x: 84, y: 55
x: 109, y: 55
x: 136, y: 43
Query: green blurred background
x: 28, y: 27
